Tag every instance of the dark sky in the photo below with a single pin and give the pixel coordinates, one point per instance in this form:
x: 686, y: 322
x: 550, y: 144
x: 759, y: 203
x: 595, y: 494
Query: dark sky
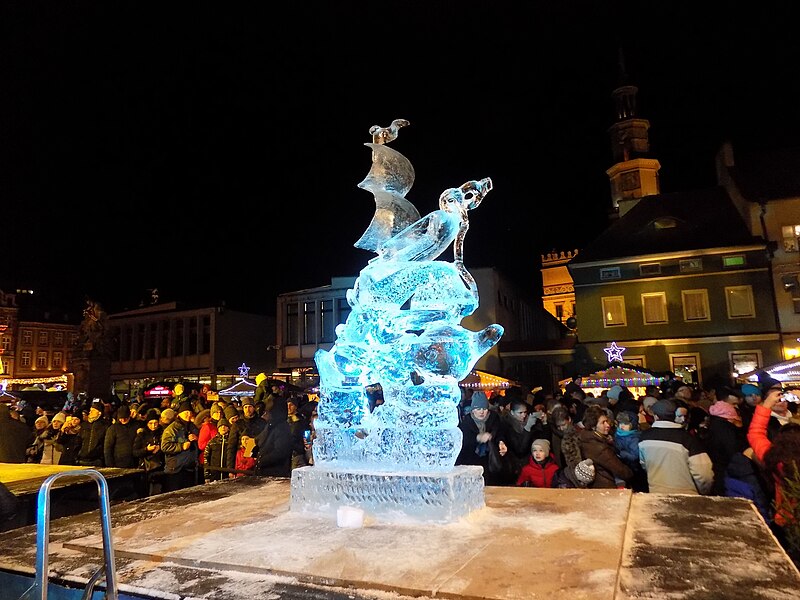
x: 215, y: 148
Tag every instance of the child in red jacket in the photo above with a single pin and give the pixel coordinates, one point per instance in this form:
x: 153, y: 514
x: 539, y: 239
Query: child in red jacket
x: 541, y: 468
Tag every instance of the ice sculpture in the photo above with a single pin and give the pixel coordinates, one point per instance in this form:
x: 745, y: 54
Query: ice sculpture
x: 403, y: 331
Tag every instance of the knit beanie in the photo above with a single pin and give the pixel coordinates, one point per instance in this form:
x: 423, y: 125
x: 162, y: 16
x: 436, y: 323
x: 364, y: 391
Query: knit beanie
x: 152, y: 414
x: 720, y: 408
x: 223, y: 422
x: 584, y: 471
x: 61, y: 417
x: 42, y: 422
x: 479, y: 400
x: 231, y: 412
x: 545, y: 445
x: 168, y: 414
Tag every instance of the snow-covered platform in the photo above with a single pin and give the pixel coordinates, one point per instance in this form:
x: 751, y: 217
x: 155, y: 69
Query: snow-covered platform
x: 238, y: 540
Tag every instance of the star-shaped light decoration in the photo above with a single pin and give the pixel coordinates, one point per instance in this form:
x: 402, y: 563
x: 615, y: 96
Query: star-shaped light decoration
x: 614, y: 352
x: 244, y: 370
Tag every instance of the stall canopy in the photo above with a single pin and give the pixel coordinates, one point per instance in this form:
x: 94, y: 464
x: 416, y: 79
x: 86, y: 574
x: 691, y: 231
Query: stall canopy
x: 787, y: 372
x: 481, y: 380
x: 635, y: 378
x: 242, y: 387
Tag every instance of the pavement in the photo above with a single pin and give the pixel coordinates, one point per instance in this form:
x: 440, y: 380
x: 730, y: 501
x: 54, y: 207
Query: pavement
x: 238, y: 539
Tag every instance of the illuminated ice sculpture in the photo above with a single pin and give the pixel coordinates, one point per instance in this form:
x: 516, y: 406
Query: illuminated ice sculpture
x: 404, y: 333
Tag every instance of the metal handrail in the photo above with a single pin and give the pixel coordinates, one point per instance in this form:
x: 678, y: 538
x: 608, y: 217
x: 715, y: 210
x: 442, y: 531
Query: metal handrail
x: 39, y: 588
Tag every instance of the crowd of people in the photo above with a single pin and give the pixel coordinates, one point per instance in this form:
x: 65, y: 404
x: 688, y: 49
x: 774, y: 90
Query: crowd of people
x: 179, y: 441
x: 736, y: 441
x: 741, y: 441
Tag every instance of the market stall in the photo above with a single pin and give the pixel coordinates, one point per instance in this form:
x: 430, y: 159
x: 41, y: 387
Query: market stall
x: 635, y: 378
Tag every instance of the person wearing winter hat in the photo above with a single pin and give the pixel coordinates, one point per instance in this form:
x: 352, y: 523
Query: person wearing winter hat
x: 626, y: 443
x: 36, y: 450
x: 613, y: 393
x: 93, y: 434
x: 231, y: 413
x: 481, y: 444
x: 207, y: 429
x: 585, y: 472
x: 52, y: 454
x: 216, y: 458
x: 167, y: 416
x: 147, y: 447
x: 726, y: 437
x: 247, y: 427
x: 118, y: 445
x: 541, y: 469
x: 179, y: 445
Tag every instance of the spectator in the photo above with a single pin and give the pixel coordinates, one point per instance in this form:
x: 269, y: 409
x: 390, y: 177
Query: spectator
x: 68, y: 440
x: 93, y: 434
x: 179, y: 444
x: 52, y: 451
x: 596, y: 444
x: 752, y: 398
x: 626, y: 443
x: 244, y: 429
x: 118, y: 444
x: 726, y: 437
x: 519, y: 427
x: 744, y: 480
x: 207, y: 429
x: 15, y: 437
x: 147, y: 450
x: 40, y: 431
x: 274, y: 442
x: 166, y: 417
x: 541, y: 468
x: 675, y: 461
x: 216, y: 459
x: 781, y: 459
x: 481, y: 443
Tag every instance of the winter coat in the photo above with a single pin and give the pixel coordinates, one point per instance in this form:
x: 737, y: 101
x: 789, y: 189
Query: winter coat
x: 609, y: 469
x: 15, y: 437
x: 540, y: 475
x: 92, y: 442
x: 70, y: 445
x: 761, y: 443
x: 473, y: 453
x: 518, y: 441
x: 724, y: 440
x: 216, y: 454
x: 174, y: 437
x: 571, y: 454
x: 118, y: 445
x: 251, y: 427
x: 274, y: 457
x: 207, y: 433
x: 144, y: 438
x: 742, y: 481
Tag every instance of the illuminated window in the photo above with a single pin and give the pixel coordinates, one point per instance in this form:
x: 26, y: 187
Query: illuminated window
x: 57, y: 358
x: 654, y: 308
x: 25, y: 359
x: 27, y: 337
x: 614, y: 311
x: 791, y: 235
x: 6, y: 343
x: 737, y: 260
x: 695, y: 305
x: 43, y: 338
x: 739, y: 299
x: 41, y: 360
x: 58, y: 338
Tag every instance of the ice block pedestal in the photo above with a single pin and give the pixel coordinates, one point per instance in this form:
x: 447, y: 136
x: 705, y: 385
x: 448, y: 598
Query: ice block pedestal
x: 390, y: 496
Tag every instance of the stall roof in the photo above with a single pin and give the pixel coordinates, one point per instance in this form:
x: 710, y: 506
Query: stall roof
x: 787, y: 372
x: 620, y: 374
x: 242, y: 387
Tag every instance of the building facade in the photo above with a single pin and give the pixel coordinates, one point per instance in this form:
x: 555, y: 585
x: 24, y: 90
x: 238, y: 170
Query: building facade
x: 172, y: 342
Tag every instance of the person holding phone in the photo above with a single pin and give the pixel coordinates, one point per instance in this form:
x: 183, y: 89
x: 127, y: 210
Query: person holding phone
x: 781, y: 459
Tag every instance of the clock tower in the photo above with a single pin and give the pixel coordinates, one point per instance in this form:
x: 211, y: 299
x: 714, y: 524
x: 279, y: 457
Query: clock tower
x: 633, y: 176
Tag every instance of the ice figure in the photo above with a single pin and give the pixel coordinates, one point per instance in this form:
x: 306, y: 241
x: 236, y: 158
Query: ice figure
x: 403, y: 332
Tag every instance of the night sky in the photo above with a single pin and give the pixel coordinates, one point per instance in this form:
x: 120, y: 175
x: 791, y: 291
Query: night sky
x: 214, y: 149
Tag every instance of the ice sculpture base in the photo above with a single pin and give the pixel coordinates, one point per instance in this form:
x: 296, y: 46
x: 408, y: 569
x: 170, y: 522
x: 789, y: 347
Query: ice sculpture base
x: 390, y: 496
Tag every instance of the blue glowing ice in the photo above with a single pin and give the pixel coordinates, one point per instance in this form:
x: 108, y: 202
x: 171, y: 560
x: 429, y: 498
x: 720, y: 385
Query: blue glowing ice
x: 404, y: 330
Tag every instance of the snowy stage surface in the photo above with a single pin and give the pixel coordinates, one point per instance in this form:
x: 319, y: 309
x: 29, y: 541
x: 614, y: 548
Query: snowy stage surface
x: 238, y: 540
